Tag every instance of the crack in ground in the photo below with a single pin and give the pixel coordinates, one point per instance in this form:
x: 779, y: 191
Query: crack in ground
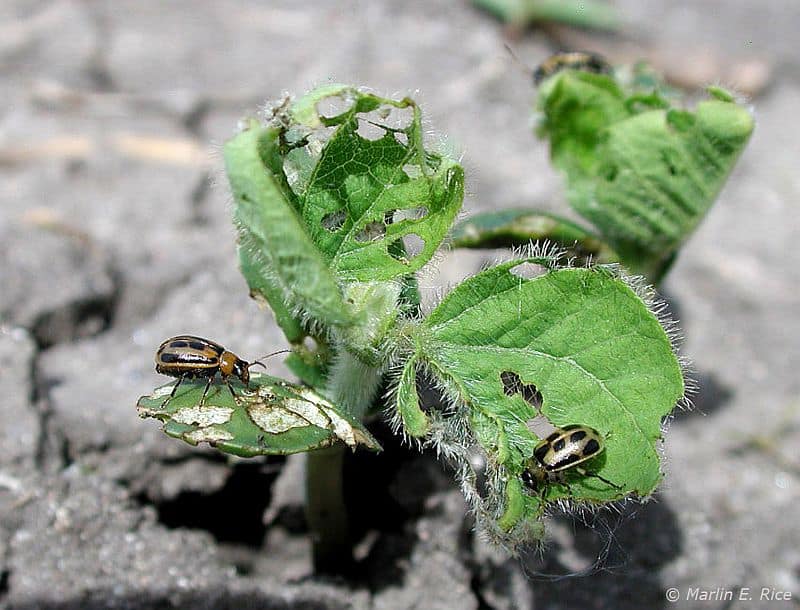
x: 231, y: 514
x: 50, y: 445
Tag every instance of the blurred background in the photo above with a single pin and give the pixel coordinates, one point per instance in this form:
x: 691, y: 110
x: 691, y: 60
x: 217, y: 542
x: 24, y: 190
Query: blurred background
x: 115, y: 234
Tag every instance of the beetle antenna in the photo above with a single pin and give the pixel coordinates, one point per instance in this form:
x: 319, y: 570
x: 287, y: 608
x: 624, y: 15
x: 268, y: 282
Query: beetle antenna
x: 282, y: 351
x: 526, y: 68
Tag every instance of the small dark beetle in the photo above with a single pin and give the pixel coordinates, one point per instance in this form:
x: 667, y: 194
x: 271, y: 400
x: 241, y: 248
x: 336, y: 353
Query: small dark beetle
x: 565, y: 448
x: 186, y: 356
x: 575, y: 60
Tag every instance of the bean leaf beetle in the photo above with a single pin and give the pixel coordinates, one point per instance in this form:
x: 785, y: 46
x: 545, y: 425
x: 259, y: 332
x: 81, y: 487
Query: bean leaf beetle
x: 574, y: 60
x: 564, y: 449
x: 190, y: 357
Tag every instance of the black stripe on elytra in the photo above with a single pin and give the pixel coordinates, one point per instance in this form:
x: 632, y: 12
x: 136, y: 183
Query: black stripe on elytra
x: 569, y: 459
x: 591, y: 447
x: 189, y: 358
x: 540, y: 452
x: 576, y: 436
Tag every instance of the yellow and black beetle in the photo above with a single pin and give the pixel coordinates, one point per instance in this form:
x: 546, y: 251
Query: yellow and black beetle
x: 189, y: 357
x: 573, y: 60
x: 563, y: 450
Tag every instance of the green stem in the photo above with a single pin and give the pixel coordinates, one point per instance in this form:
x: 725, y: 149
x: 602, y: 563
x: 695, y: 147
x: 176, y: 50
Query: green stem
x: 326, y: 511
x: 352, y: 387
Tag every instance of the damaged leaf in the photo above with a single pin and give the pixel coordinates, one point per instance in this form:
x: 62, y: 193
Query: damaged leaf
x: 275, y: 246
x: 272, y: 417
x: 572, y: 346
x: 366, y: 185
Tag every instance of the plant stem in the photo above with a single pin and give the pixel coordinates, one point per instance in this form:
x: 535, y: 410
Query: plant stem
x: 352, y: 387
x: 326, y: 511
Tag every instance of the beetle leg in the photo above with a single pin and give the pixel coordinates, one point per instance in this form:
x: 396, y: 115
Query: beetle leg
x: 208, y: 385
x: 172, y: 394
x: 230, y: 387
x: 597, y: 476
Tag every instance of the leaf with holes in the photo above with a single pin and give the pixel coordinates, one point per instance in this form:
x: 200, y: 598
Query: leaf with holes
x: 511, y: 228
x: 271, y: 417
x: 374, y: 201
x: 278, y: 256
x: 578, y: 346
x: 643, y: 173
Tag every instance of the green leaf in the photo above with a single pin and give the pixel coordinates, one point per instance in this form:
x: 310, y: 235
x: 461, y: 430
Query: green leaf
x: 272, y: 236
x: 361, y: 197
x: 590, y: 346
x: 268, y: 293
x: 271, y: 417
x: 509, y: 228
x: 642, y: 173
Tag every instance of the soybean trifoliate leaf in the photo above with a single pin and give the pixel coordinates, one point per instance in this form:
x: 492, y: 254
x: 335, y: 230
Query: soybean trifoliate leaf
x: 271, y: 417
x: 511, y: 228
x: 644, y: 173
x: 274, y: 242
x: 572, y: 346
x: 374, y: 201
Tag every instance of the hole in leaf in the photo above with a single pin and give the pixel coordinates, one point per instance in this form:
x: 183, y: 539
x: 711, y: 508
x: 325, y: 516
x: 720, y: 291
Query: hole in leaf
x: 310, y: 344
x: 399, y: 118
x: 412, y: 171
x: 513, y: 384
x: 405, y: 248
x: 372, y: 231
x: 410, y: 214
x: 375, y: 124
x: 394, y: 119
x: 318, y: 138
x: 528, y: 270
x: 414, y: 244
x: 304, y: 150
x: 369, y: 130
x: 333, y: 106
x: 333, y: 221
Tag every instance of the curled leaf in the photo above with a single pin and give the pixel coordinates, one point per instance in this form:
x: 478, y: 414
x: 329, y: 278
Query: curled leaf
x: 642, y: 171
x: 513, y: 228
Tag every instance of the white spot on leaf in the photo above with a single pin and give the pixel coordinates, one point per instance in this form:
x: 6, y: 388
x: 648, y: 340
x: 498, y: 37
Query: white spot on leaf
x: 203, y: 416
x: 308, y: 411
x: 275, y: 419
